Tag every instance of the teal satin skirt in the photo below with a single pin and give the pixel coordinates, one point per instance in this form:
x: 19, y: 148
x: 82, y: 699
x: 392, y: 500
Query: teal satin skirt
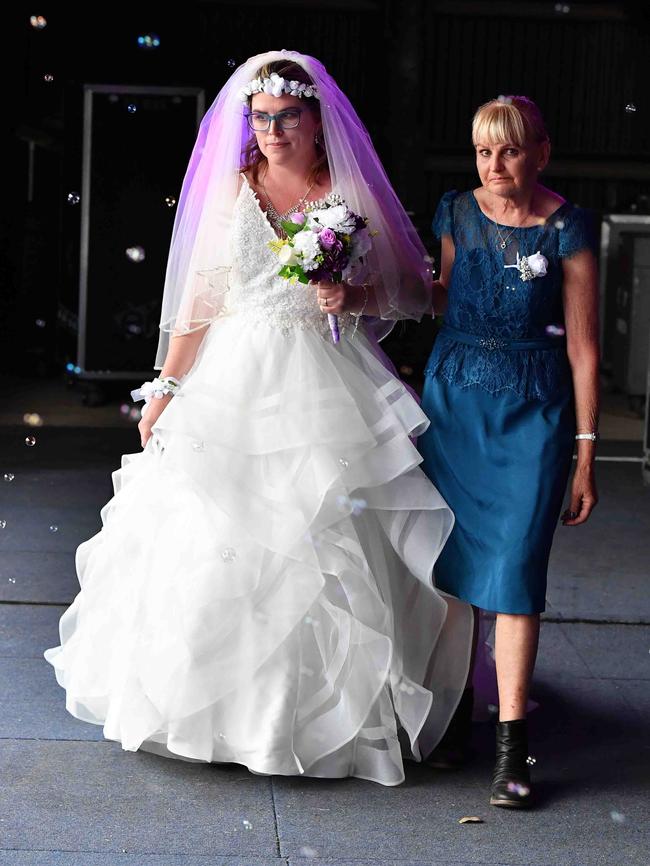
x: 502, y: 463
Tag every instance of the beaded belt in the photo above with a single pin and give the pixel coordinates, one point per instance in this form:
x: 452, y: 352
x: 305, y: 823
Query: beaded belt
x: 508, y: 345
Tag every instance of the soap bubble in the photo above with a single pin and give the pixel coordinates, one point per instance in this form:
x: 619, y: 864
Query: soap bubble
x: 617, y: 817
x: 198, y: 446
x: 555, y: 330
x: 228, y: 554
x: 170, y: 201
x: 54, y: 528
x: 48, y: 77
x: 343, y: 462
x: 247, y: 824
x: 38, y: 22
x: 3, y: 524
x: 429, y: 262
x: 630, y: 108
x: 305, y: 851
x: 136, y: 254
x: 12, y: 580
x: 231, y: 63
x: 40, y: 323
x: 30, y: 441
x: 517, y: 788
x: 148, y: 41
x: 531, y: 760
x: 131, y: 108
x: 9, y: 476
x: 74, y: 198
x: 33, y: 419
x: 349, y: 505
x: 504, y: 100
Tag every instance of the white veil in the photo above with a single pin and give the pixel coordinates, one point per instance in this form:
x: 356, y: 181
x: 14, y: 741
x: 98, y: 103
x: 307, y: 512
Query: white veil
x: 196, y: 281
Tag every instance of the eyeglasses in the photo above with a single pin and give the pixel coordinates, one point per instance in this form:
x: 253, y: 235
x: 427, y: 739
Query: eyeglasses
x: 260, y: 121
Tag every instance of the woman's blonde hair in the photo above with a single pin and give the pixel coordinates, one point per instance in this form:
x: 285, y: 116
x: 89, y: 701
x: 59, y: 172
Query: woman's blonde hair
x: 509, y: 120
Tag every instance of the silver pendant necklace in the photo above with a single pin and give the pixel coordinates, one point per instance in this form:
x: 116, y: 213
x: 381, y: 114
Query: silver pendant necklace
x: 503, y: 241
x: 276, y: 219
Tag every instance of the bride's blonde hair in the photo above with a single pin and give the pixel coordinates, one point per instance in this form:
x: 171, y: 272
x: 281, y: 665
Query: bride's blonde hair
x: 509, y: 120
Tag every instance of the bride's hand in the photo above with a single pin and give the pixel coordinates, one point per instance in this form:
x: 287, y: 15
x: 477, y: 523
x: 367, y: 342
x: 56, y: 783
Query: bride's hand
x: 153, y: 412
x: 337, y: 298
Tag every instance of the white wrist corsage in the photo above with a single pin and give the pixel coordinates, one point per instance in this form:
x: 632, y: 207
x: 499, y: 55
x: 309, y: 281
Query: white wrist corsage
x: 157, y: 388
x: 530, y: 267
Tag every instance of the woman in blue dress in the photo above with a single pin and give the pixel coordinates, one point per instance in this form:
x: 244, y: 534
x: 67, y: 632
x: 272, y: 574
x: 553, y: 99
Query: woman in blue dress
x: 511, y: 383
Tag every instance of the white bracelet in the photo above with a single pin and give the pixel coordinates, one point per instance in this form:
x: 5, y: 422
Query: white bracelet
x: 591, y: 436
x: 156, y: 388
x: 357, y: 316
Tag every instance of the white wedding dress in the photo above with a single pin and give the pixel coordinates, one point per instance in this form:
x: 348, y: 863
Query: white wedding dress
x: 261, y: 590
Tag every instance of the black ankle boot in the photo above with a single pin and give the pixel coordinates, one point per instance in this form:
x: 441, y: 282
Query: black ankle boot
x: 453, y: 749
x: 511, y: 779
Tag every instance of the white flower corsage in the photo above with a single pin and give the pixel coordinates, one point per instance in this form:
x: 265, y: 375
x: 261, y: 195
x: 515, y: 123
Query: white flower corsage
x: 530, y: 267
x: 157, y: 389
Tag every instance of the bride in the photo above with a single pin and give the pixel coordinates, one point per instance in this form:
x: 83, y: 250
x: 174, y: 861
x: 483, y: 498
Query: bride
x: 261, y: 591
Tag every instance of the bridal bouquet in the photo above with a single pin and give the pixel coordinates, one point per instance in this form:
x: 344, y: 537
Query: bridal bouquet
x: 327, y: 242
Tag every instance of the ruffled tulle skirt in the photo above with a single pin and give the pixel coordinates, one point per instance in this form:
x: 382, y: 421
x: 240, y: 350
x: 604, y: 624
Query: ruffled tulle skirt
x: 261, y: 590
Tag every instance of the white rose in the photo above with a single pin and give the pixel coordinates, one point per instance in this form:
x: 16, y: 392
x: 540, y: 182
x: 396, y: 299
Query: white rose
x: 287, y: 255
x: 538, y: 264
x: 308, y: 249
x: 277, y: 84
x: 337, y: 218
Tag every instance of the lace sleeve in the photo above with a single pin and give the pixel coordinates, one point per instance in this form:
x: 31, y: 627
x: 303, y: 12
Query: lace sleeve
x: 576, y: 233
x: 443, y: 221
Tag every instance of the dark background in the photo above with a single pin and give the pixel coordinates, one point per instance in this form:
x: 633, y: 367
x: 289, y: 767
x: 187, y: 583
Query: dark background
x: 415, y: 71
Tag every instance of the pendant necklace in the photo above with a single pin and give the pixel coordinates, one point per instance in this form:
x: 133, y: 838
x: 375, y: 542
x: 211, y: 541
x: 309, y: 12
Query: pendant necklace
x: 276, y: 218
x: 503, y: 241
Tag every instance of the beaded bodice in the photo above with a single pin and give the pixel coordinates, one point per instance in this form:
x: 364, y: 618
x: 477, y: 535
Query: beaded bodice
x: 488, y: 299
x: 276, y: 218
x: 256, y: 290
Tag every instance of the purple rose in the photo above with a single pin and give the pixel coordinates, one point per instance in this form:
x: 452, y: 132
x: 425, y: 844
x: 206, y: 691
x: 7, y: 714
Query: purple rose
x: 327, y: 239
x: 297, y: 218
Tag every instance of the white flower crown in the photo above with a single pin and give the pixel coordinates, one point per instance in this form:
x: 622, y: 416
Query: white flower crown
x: 277, y: 86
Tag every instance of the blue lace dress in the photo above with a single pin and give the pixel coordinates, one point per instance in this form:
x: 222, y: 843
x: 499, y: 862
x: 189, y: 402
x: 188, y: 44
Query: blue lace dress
x: 499, y: 394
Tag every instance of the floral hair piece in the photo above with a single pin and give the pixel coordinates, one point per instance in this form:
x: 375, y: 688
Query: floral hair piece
x: 277, y: 86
